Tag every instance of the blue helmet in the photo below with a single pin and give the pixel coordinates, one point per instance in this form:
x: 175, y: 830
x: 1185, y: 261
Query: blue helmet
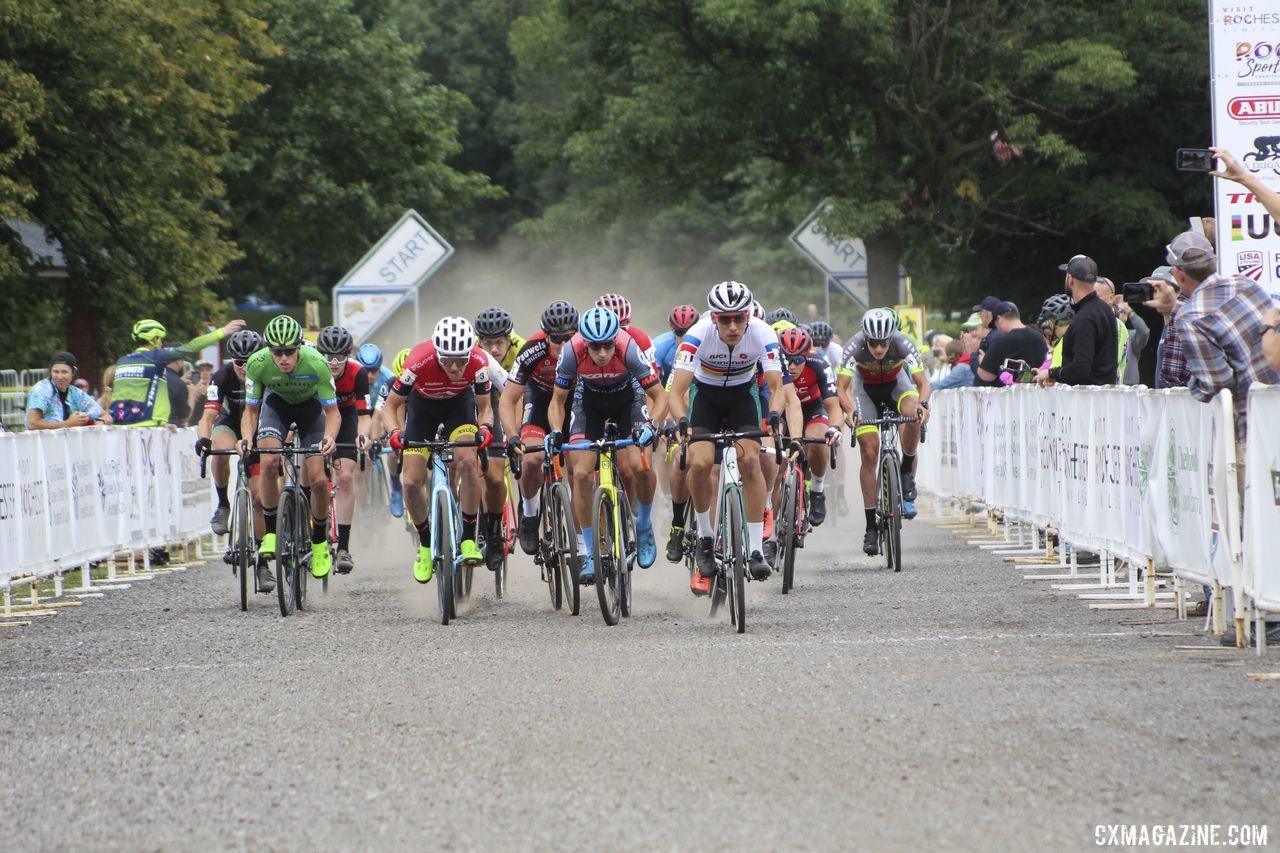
x: 369, y: 356
x: 599, y: 325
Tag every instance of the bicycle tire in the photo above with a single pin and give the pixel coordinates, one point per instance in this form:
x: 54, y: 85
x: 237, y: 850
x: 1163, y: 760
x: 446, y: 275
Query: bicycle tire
x: 738, y: 563
x: 499, y: 577
x: 787, y: 526
x: 331, y: 539
x: 245, y: 560
x: 549, y: 553
x: 607, y: 567
x: 442, y: 555
x: 284, y: 552
x: 892, y: 495
x: 302, y: 550
x: 630, y: 544
x: 566, y: 545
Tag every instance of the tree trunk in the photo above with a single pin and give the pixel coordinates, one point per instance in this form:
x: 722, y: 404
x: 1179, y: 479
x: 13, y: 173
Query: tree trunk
x: 884, y: 250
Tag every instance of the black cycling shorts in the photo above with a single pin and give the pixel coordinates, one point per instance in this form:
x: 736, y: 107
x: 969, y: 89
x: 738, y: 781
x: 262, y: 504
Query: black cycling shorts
x: 592, y: 410
x: 713, y: 408
x: 424, y: 417
x: 535, y: 425
x: 347, y: 433
x: 277, y: 415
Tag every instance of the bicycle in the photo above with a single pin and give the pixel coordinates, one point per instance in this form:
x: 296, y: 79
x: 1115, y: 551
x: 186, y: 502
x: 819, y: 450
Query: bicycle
x: 507, y: 524
x: 453, y: 576
x: 615, y: 526
x: 293, y: 530
x: 242, y: 543
x: 332, y: 526
x: 791, y: 524
x: 889, y: 508
x: 731, y: 525
x: 557, y: 554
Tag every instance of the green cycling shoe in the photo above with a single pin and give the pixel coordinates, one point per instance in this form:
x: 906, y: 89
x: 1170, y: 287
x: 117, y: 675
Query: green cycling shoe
x: 422, y: 570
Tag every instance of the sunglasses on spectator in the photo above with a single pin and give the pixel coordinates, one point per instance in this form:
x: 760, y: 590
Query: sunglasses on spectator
x: 239, y: 362
x: 560, y: 339
x: 455, y: 361
x: 283, y: 351
x: 601, y: 346
x: 795, y: 359
x: 728, y: 319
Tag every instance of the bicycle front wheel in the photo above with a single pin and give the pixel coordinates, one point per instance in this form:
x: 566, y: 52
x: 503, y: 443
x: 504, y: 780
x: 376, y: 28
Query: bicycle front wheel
x: 444, y: 557
x: 608, y: 563
x: 301, y: 551
x: 891, y: 509
x: 565, y: 541
x: 785, y: 530
x: 737, y: 568
x: 629, y: 546
x: 285, y: 525
x: 245, y: 562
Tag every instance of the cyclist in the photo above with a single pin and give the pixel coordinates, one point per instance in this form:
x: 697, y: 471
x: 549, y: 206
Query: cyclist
x: 674, y: 481
x: 496, y: 336
x: 611, y: 379
x: 780, y: 315
x: 370, y: 357
x: 823, y: 343
x: 139, y: 396
x: 381, y: 427
x: 219, y: 429
x: 813, y: 380
x: 880, y: 369
x: 284, y: 385
x: 621, y: 305
x: 445, y: 380
x: 680, y: 319
x: 1056, y: 315
x: 495, y: 476
x: 524, y: 408
x: 716, y: 370
x: 352, y: 383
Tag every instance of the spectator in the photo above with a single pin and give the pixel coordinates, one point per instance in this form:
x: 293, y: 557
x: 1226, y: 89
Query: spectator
x: 961, y: 373
x: 1271, y: 339
x: 1132, y: 330
x: 55, y: 403
x: 179, y: 390
x: 1171, y: 364
x: 137, y: 377
x: 1055, y: 318
x: 1015, y: 343
x: 985, y: 310
x: 938, y: 351
x: 1090, y: 346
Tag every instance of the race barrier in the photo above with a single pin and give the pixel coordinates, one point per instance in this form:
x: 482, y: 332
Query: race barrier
x: 69, y: 497
x: 1147, y: 477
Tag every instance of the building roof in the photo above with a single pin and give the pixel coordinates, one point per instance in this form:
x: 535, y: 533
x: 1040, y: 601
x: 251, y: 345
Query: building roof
x: 44, y: 251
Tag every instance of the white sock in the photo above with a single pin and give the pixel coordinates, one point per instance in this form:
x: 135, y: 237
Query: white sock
x: 704, y: 523
x: 768, y: 499
x: 582, y: 543
x: 531, y: 505
x: 818, y: 484
x: 755, y: 532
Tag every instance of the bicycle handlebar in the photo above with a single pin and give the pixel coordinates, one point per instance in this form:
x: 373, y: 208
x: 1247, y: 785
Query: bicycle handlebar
x: 831, y: 447
x: 440, y: 443
x: 728, y: 437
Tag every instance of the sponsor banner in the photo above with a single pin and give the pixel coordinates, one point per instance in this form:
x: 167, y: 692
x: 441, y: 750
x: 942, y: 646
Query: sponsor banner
x: 1262, y: 500
x: 1244, y: 49
x: 74, y: 495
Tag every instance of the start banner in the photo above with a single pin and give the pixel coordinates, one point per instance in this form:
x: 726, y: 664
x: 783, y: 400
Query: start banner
x: 69, y: 496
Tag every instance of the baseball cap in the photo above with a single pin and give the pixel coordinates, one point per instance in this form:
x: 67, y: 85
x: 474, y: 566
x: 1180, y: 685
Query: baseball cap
x: 1080, y: 267
x: 1004, y: 308
x: 974, y: 322
x: 64, y: 358
x: 1188, y: 248
x: 1164, y: 273
x: 988, y: 303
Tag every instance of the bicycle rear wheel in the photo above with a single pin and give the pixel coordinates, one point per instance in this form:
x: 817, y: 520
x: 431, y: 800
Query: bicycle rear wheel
x: 549, y: 553
x: 245, y: 562
x: 444, y: 556
x: 607, y: 565
x: 737, y: 568
x: 288, y: 510
x: 891, y: 505
x: 785, y: 529
x: 508, y: 534
x: 565, y: 542
x: 629, y: 545
x: 301, y: 551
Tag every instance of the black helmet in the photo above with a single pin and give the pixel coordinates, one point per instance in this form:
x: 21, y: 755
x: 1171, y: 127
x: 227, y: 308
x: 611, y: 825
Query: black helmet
x: 334, y: 340
x: 244, y: 343
x: 493, y: 323
x: 559, y: 318
x: 780, y: 314
x: 1057, y: 308
x: 821, y: 331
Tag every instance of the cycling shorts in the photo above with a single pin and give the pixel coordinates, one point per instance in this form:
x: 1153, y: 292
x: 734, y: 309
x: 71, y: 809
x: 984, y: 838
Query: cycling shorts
x: 347, y: 432
x: 535, y: 426
x: 626, y: 408
x: 870, y: 399
x: 712, y: 408
x: 253, y: 462
x: 277, y: 415
x: 425, y: 416
x: 815, y: 413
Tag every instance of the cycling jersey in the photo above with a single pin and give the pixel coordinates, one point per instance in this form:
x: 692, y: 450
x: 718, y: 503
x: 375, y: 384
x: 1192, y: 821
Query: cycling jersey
x: 857, y: 358
x: 137, y: 395
x: 713, y: 362
x: 535, y: 364
x: 642, y: 339
x: 664, y: 354
x: 310, y: 378
x: 424, y: 376
x: 509, y: 360
x: 815, y: 382
x: 626, y: 362
x: 352, y: 386
x: 226, y: 394
x: 385, y: 378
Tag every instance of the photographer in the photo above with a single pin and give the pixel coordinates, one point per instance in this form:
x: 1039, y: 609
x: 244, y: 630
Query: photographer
x: 1089, y: 349
x: 1017, y: 348
x: 1132, y: 330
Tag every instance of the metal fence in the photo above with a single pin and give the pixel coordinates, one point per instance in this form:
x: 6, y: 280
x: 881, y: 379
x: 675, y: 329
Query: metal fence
x: 14, y: 387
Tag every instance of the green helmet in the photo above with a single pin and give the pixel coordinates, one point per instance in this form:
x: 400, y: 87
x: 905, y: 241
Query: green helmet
x: 283, y: 331
x: 149, y: 331
x: 897, y: 321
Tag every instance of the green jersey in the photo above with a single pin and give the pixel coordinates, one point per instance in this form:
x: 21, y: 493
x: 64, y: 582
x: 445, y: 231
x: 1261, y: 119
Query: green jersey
x: 310, y: 378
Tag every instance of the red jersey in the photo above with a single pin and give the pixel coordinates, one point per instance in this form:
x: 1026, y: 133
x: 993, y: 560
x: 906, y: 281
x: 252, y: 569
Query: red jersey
x: 627, y: 362
x: 642, y: 339
x: 352, y: 386
x: 426, y: 378
x: 813, y: 382
x: 535, y: 363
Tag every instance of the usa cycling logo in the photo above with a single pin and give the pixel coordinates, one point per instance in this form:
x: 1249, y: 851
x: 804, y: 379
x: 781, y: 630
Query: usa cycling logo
x: 1249, y: 264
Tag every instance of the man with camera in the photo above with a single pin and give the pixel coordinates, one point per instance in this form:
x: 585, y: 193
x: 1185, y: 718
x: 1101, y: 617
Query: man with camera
x: 1017, y: 350
x: 1089, y: 349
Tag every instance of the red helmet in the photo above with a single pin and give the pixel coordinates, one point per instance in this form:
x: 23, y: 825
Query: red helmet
x: 682, y: 318
x: 795, y: 341
x: 618, y: 304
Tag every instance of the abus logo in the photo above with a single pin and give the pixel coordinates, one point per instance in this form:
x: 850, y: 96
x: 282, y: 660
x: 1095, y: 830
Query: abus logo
x: 1254, y: 109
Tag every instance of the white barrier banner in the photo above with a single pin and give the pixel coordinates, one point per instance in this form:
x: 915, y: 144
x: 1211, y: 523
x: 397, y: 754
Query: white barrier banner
x: 10, y: 508
x: 1262, y: 499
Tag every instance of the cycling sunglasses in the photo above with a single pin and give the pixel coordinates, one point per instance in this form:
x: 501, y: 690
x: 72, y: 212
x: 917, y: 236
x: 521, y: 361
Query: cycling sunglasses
x: 336, y: 359
x: 600, y: 346
x: 796, y: 359
x: 730, y: 318
x: 283, y: 351
x: 239, y: 362
x: 560, y: 339
x: 454, y: 361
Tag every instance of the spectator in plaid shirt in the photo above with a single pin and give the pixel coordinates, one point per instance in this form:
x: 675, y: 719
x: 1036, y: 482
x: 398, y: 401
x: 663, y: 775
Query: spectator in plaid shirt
x: 1171, y: 363
x: 1220, y: 325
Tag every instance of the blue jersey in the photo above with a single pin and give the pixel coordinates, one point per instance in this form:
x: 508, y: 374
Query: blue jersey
x: 384, y: 376
x: 664, y: 354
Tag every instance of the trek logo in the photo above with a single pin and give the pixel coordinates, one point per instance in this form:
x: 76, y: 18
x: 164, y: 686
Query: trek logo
x: 1242, y: 198
x: 1249, y: 264
x: 1262, y: 108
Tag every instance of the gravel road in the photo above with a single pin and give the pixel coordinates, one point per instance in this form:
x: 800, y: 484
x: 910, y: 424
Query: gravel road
x: 952, y: 706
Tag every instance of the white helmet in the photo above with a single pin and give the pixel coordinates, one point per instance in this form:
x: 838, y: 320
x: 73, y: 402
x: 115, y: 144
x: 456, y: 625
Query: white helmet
x: 729, y: 296
x: 878, y: 324
x: 757, y: 310
x: 453, y: 336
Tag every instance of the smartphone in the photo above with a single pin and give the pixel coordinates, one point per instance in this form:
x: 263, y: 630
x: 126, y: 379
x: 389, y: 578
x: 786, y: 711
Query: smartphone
x: 1015, y: 365
x: 1138, y: 291
x: 1195, y: 160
